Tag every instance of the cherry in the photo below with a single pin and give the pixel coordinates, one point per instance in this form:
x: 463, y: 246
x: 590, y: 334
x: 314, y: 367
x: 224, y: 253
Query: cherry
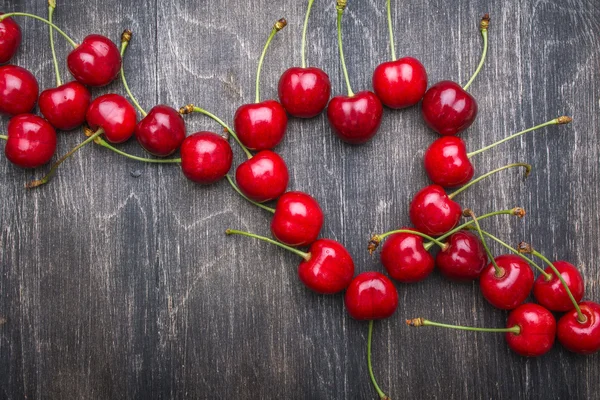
x: 161, y: 132
x: 18, y: 90
x: 114, y: 115
x: 326, y: 269
x: 304, y: 91
x: 30, y: 141
x: 354, y: 118
x: 205, y: 157
x: 507, y: 282
x: 264, y: 177
x: 261, y: 126
x: 448, y: 164
x: 549, y: 291
x: 465, y: 257
x: 581, y: 337
x: 10, y: 39
x: 447, y: 108
x: 297, y: 220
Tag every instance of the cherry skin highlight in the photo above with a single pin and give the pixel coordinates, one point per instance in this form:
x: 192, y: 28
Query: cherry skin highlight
x: 260, y: 126
x: 371, y: 296
x: 405, y: 259
x: 508, y: 291
x: 355, y: 119
x: 65, y: 106
x: 465, y: 257
x: 10, y: 39
x: 162, y: 131
x: 205, y: 157
x: 448, y: 109
x: 95, y: 62
x: 432, y: 212
x: 538, y: 329
x: 115, y: 115
x: 31, y: 141
x: 330, y: 268
x: 297, y: 220
x: 581, y: 337
x: 447, y: 163
x: 552, y: 294
x: 304, y: 92
x: 264, y: 177
x: 401, y: 83
x: 18, y: 90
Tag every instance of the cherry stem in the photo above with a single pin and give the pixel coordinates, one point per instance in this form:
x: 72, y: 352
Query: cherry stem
x: 391, y: 29
x: 474, y: 181
x: 483, y: 27
x: 499, y: 272
x: 51, y: 7
x: 21, y: 14
x: 279, y: 25
x: 3, y: 137
x: 416, y: 322
x: 556, y: 121
x: 376, y: 239
x: 52, y: 171
x: 341, y: 6
x: 304, y: 29
x: 104, y: 143
x: 305, y: 256
x: 382, y: 395
x: 526, y: 248
x: 125, y: 39
x: 237, y: 189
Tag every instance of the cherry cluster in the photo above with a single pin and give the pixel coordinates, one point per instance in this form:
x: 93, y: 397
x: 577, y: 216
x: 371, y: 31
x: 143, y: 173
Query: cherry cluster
x: 506, y: 281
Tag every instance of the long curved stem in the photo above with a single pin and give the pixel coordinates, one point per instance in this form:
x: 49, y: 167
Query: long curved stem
x: 380, y: 392
x: 474, y: 181
x: 499, y: 272
x: 416, y: 322
x: 279, y: 25
x: 304, y: 29
x: 51, y: 7
x: 391, y: 29
x: 305, y: 256
x: 483, y: 27
x: 376, y: 239
x: 237, y: 189
x: 104, y: 143
x: 341, y: 6
x: 555, y: 121
x: 125, y: 39
x: 21, y: 14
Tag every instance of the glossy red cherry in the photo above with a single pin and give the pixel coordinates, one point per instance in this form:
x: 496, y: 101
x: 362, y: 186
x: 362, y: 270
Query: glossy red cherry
x: 433, y: 212
x: 162, y: 131
x: 297, y: 220
x: 401, y: 83
x: 115, y: 115
x: 95, y: 62
x: 65, y: 106
x: 205, y: 157
x: 355, y: 119
x: 405, y: 258
x: 538, y: 329
x: 465, y: 257
x: 447, y: 163
x: 18, y: 90
x: 304, y: 92
x: 260, y: 126
x: 370, y: 296
x: 581, y: 337
x: 511, y: 286
x: 10, y: 39
x: 552, y: 294
x: 329, y: 269
x: 264, y: 177
x: 448, y: 109
x: 31, y: 141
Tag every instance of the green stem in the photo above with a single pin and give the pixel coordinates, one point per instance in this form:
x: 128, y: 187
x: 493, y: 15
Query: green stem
x: 279, y: 25
x: 20, y: 14
x: 237, y: 189
x: 224, y: 125
x: 391, y: 29
x: 341, y: 6
x: 103, y: 143
x: 369, y: 340
x: 51, y: 6
x: 304, y: 29
x: 379, y: 238
x: 125, y: 38
x: 474, y: 181
x: 556, y: 121
x: 305, y: 256
x: 425, y: 322
x: 3, y: 137
x: 499, y: 272
x: 52, y: 171
x: 483, y: 27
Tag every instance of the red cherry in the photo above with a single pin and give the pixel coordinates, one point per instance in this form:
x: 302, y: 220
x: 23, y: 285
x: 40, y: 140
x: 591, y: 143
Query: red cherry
x: 401, y: 83
x: 447, y: 163
x: 260, y: 126
x: 304, y: 92
x: 10, y: 39
x: 115, y: 115
x: 65, y: 106
x: 433, y: 212
x: 162, y: 131
x: 465, y: 257
x: 329, y: 269
x: 95, y: 62
x: 355, y: 119
x: 405, y: 258
x: 581, y: 337
x: 370, y: 296
x: 297, y: 220
x: 31, y: 141
x: 264, y: 177
x: 552, y: 294
x: 205, y: 157
x: 448, y: 109
x: 18, y: 90
x: 512, y: 287
x: 538, y: 329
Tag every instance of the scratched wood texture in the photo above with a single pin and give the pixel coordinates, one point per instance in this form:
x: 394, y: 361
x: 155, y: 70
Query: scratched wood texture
x: 117, y: 286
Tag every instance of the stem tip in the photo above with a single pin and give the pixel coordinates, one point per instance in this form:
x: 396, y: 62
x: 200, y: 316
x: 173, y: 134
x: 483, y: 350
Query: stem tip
x: 485, y: 22
x: 373, y: 243
x: 279, y: 25
x: 524, y: 247
x: 52, y: 3
x: 467, y: 212
x: 415, y: 322
x: 519, y: 212
x: 228, y: 231
x: 186, y: 109
x: 563, y: 120
x: 126, y: 36
x: 341, y: 5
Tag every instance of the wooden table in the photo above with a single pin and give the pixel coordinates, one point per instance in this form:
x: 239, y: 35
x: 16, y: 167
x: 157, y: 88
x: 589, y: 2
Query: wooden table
x: 117, y: 281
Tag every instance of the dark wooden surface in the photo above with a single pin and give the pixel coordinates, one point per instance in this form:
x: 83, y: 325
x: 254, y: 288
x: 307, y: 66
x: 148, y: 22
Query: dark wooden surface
x: 115, y: 286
